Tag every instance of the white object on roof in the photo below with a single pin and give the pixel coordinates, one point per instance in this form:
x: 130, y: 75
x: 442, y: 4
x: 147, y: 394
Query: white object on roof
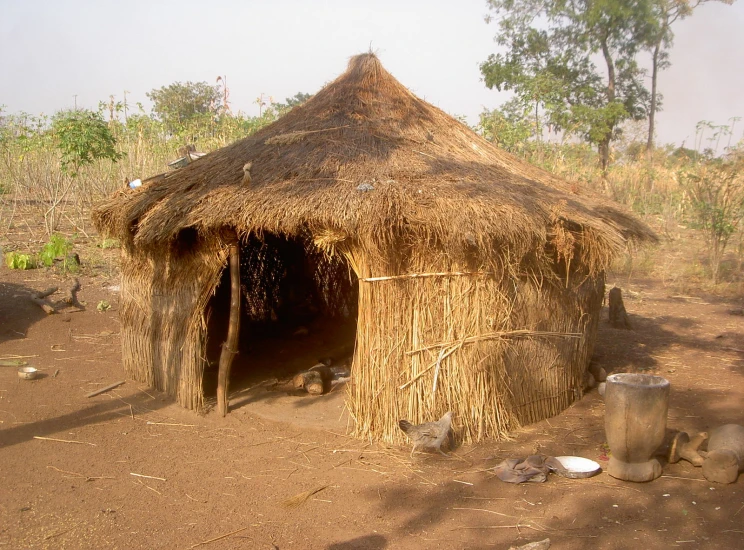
x: 186, y: 159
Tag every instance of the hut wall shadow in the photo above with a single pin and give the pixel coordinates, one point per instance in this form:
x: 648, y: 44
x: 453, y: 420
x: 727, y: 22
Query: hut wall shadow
x: 367, y: 542
x: 98, y: 413
x: 16, y: 315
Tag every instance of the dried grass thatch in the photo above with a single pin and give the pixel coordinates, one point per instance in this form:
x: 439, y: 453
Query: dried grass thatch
x: 368, y: 174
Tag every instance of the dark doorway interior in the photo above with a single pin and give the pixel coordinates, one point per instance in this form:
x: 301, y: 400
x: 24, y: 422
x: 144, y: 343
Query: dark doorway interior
x: 298, y: 306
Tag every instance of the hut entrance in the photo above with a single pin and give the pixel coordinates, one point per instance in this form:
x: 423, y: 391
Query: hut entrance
x: 298, y: 307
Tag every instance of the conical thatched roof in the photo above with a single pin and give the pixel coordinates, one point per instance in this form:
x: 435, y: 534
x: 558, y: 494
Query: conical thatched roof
x: 426, y: 174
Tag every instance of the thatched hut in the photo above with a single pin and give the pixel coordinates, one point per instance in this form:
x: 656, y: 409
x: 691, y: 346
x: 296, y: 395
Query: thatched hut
x: 473, y: 280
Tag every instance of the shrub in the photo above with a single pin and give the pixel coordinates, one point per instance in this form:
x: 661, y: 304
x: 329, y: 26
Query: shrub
x: 15, y: 260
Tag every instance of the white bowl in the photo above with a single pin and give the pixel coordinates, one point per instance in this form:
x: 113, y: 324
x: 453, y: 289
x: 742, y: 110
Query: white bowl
x: 578, y: 467
x: 28, y: 373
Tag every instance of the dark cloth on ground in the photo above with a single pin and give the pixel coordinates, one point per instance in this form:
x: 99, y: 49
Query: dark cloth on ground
x: 534, y: 468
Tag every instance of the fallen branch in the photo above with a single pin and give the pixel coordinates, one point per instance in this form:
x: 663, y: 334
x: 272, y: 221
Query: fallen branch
x: 44, y: 304
x: 107, y: 388
x: 70, y: 299
x: 71, y: 295
x: 44, y: 293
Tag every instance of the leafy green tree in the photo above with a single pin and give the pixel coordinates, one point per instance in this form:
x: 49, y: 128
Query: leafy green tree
x: 83, y: 137
x: 289, y: 103
x: 506, y: 127
x: 549, y: 64
x: 659, y: 37
x: 179, y: 105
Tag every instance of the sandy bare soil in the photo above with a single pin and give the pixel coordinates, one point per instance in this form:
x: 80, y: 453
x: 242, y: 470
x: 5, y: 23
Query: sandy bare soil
x: 137, y: 471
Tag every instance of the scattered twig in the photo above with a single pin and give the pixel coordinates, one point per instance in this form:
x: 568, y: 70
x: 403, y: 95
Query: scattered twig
x: 218, y: 538
x: 298, y: 499
x: 107, y: 388
x: 75, y: 474
x: 64, y: 440
x: 148, y: 394
x: 148, y: 477
x: 58, y: 533
x: 484, y: 510
x: 148, y: 487
x: 517, y: 526
x: 687, y: 478
x: 150, y: 422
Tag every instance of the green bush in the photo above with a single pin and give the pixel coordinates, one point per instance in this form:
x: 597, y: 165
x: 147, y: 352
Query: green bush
x: 15, y: 260
x: 82, y: 138
x: 57, y: 247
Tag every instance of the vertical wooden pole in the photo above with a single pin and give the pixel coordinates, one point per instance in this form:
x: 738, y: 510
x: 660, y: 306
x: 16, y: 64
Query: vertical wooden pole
x: 230, y: 347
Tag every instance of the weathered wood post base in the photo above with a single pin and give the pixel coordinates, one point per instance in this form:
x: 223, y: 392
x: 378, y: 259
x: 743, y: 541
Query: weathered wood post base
x: 230, y: 347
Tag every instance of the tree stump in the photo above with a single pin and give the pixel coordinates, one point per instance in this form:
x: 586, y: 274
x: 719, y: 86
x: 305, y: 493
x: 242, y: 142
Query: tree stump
x: 618, y: 315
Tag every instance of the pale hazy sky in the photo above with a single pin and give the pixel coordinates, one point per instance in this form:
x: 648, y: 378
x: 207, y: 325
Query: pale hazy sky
x: 51, y: 50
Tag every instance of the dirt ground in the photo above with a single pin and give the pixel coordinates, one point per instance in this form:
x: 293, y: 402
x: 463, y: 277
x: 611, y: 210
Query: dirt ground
x: 137, y: 471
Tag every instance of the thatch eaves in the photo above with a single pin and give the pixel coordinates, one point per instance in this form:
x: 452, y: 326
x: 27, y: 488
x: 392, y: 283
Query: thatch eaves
x: 367, y: 158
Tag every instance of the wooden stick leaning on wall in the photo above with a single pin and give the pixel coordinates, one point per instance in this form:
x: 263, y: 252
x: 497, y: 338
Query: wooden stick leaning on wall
x: 230, y: 347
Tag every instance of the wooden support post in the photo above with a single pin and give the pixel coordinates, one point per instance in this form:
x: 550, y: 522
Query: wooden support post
x: 230, y: 347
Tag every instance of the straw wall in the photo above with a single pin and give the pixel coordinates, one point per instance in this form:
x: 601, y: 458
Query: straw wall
x: 459, y: 329
x: 546, y: 374
x: 164, y: 297
x: 497, y: 348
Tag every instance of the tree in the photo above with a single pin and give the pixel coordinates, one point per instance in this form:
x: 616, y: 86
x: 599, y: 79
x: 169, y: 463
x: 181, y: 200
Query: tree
x: 507, y: 127
x: 289, y: 103
x: 83, y: 137
x: 178, y: 104
x: 550, y: 63
x: 664, y: 13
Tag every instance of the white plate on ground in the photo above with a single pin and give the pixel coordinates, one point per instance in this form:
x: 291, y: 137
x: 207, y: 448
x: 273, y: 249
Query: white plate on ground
x: 578, y: 467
